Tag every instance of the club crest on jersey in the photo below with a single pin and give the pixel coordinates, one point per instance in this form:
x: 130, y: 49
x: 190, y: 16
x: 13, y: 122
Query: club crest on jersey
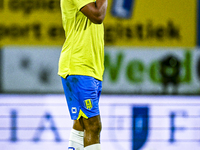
x: 88, y: 104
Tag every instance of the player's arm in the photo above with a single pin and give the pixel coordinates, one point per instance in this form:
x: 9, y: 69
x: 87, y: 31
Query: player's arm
x: 95, y: 11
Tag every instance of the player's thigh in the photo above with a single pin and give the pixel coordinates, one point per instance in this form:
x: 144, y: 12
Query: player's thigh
x: 92, y: 124
x: 78, y: 125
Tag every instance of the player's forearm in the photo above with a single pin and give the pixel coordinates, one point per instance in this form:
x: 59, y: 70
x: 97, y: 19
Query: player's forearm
x: 101, y: 6
x: 95, y: 11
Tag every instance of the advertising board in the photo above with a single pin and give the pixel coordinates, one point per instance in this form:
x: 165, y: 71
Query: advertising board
x: 30, y: 69
x: 127, y: 70
x: 129, y: 122
x: 30, y: 22
x: 139, y: 70
x: 151, y: 23
x: 127, y: 23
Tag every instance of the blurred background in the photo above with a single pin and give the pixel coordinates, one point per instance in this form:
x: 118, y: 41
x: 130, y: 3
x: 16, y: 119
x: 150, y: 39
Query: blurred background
x: 151, y: 88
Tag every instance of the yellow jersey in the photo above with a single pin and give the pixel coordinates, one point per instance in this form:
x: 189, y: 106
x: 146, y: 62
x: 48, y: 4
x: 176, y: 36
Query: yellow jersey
x: 83, y: 50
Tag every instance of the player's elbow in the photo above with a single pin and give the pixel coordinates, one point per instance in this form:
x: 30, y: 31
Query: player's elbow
x: 98, y: 20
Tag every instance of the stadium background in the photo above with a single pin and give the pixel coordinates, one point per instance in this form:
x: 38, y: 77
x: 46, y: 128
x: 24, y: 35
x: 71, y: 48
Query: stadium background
x: 151, y: 85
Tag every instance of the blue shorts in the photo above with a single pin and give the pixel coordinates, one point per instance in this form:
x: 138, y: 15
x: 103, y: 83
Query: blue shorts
x: 82, y: 94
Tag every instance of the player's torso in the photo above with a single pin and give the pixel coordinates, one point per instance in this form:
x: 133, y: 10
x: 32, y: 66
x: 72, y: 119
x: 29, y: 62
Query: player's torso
x: 84, y: 40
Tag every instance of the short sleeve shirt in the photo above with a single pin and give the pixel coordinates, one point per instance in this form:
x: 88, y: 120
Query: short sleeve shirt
x: 83, y: 50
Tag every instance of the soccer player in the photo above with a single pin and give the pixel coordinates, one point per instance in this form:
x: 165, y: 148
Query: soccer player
x: 81, y: 67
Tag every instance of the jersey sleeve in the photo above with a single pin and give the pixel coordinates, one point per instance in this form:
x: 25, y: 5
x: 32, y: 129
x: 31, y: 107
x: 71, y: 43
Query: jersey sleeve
x: 80, y: 3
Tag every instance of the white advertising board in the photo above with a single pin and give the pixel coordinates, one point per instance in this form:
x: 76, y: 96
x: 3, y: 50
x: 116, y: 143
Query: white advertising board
x: 127, y: 70
x: 138, y: 70
x: 30, y: 69
x: 129, y: 122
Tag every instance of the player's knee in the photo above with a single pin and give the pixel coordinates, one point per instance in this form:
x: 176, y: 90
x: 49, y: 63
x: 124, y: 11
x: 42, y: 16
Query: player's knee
x: 95, y: 128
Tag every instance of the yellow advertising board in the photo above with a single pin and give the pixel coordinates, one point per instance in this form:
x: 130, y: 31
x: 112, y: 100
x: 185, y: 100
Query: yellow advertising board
x: 151, y: 23
x: 127, y: 23
x: 30, y: 22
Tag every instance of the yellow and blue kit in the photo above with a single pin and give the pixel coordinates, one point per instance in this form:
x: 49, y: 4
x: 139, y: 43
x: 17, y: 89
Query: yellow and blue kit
x: 81, y: 63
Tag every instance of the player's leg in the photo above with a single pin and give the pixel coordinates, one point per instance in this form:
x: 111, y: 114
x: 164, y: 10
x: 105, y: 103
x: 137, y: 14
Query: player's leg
x: 92, y: 128
x: 76, y: 139
x: 85, y: 91
x: 90, y: 120
x: 92, y: 133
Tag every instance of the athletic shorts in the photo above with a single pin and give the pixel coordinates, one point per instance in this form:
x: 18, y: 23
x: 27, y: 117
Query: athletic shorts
x: 82, y: 95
